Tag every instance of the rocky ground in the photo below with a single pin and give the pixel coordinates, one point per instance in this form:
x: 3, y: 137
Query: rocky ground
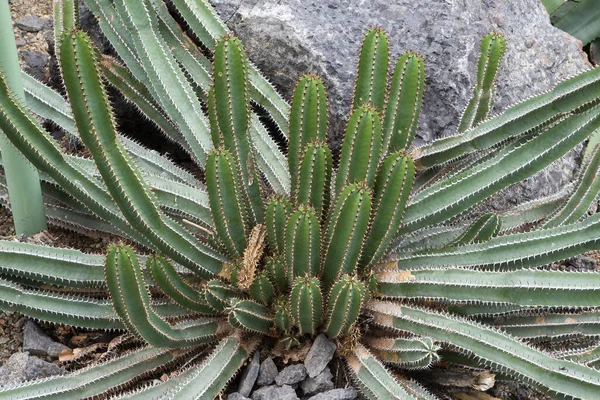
x: 299, y: 36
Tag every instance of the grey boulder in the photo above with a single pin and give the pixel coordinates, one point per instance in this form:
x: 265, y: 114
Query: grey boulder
x: 337, y: 394
x: 288, y: 38
x: 38, y: 343
x: 22, y: 367
x: 31, y: 23
x: 319, y: 355
x: 249, y: 376
x: 318, y: 384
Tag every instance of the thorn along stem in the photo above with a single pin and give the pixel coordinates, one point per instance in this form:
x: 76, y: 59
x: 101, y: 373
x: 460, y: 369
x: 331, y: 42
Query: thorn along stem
x: 24, y: 190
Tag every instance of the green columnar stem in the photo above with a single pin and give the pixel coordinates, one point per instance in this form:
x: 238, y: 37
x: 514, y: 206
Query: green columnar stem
x: 24, y: 190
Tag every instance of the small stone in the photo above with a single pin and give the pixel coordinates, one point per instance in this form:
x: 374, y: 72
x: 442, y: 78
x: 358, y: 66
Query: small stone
x: 336, y: 394
x: 291, y: 374
x: 268, y: 372
x: 318, y: 384
x: 249, y: 376
x: 236, y: 396
x: 35, y: 59
x: 319, y: 355
x: 22, y: 367
x: 274, y: 392
x: 20, y: 42
x: 38, y: 343
x: 31, y: 23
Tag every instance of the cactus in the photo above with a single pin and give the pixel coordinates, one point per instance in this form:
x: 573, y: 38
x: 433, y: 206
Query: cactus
x: 345, y: 300
x: 387, y: 252
x: 307, y: 304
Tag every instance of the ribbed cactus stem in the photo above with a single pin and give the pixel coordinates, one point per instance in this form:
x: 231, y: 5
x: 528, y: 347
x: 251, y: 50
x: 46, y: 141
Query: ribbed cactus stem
x: 249, y: 315
x: 314, y: 177
x: 413, y: 353
x: 481, y: 230
x: 218, y: 294
x: 302, y: 243
x: 493, y: 46
x: 371, y: 77
x: 277, y: 269
x: 345, y: 232
x: 278, y: 211
x: 391, y: 191
x: 227, y: 202
x: 308, y: 120
x: 283, y: 315
x: 403, y: 105
x: 172, y: 285
x: 232, y: 115
x: 215, y: 131
x: 361, y: 148
x: 345, y: 300
x: 307, y: 304
x: 262, y: 289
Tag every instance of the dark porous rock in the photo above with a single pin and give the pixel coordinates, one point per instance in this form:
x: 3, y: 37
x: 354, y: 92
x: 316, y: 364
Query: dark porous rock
x: 237, y: 396
x: 274, y: 392
x: 319, y: 355
x: 38, y: 343
x: 35, y: 63
x: 31, y: 23
x: 318, y: 384
x: 22, y: 367
x: 268, y: 372
x: 249, y: 376
x: 336, y: 394
x: 291, y: 375
x: 288, y: 38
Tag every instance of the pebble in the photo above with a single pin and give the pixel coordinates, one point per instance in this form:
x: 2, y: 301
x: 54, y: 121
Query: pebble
x: 236, y: 396
x: 22, y: 367
x: 291, y: 375
x: 318, y: 384
x: 273, y: 392
x: 31, y: 23
x: 249, y: 375
x: 38, y: 343
x: 336, y: 394
x: 319, y: 355
x: 268, y: 372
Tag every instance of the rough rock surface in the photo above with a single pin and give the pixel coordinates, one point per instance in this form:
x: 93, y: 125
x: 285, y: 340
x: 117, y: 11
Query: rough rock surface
x: 249, y: 375
x: 273, y: 392
x: 336, y: 394
x: 319, y: 355
x: 22, y: 367
x: 291, y: 375
x: 268, y: 372
x: 287, y: 38
x: 38, y: 343
x: 31, y: 23
x: 318, y: 384
x: 236, y: 396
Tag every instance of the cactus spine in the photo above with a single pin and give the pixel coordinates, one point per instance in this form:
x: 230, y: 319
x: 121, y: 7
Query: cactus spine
x: 314, y: 178
x: 361, y: 149
x: 232, y: 115
x: 278, y: 211
x: 345, y: 300
x: 391, y: 191
x: 346, y: 229
x: 302, y: 243
x: 371, y: 77
x: 227, y: 202
x: 307, y: 304
x: 404, y: 103
x: 308, y: 121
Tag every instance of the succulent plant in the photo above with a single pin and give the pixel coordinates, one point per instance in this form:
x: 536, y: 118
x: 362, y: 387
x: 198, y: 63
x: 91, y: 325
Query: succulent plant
x: 386, y: 253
